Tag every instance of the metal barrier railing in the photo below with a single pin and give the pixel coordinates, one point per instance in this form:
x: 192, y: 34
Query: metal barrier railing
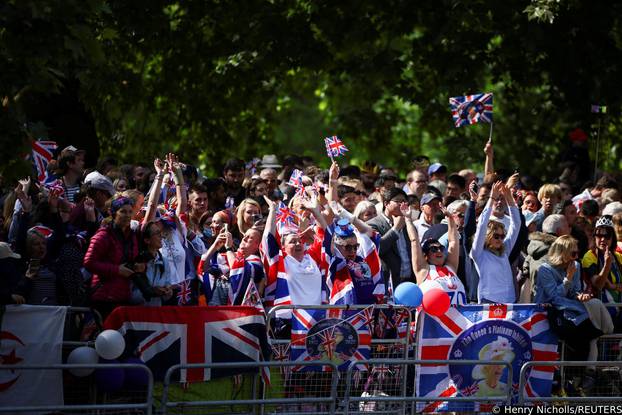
x: 522, y: 399
x: 403, y: 399
x: 71, y: 312
x: 261, y: 402
x: 146, y: 406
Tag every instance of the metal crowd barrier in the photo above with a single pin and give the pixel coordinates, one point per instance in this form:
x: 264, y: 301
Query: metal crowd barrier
x: 146, y: 406
x: 255, y: 401
x: 522, y: 399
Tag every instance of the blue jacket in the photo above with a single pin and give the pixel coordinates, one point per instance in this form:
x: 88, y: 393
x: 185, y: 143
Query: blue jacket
x: 551, y: 289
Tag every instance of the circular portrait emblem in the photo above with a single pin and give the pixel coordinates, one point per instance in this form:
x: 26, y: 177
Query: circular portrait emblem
x: 332, y: 339
x: 498, y: 340
x: 469, y: 110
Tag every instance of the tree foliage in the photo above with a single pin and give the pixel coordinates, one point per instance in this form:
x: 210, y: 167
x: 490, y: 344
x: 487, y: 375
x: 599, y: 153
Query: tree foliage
x: 213, y: 79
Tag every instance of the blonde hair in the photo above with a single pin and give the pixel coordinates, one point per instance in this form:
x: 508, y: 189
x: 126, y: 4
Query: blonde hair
x: 493, y: 226
x: 549, y: 190
x: 239, y: 214
x: 561, y: 249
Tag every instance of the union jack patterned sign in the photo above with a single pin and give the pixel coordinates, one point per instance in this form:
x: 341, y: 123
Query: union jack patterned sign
x: 339, y: 336
x: 510, y: 333
x: 42, y: 153
x: 165, y: 336
x: 471, y: 109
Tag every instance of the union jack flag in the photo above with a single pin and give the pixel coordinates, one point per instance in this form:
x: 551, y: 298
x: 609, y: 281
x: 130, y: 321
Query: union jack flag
x: 42, y: 153
x: 334, y: 146
x: 512, y: 333
x: 471, y: 109
x: 295, y: 180
x: 332, y: 335
x: 56, y: 186
x: 251, y: 166
x: 165, y: 336
x: 185, y: 292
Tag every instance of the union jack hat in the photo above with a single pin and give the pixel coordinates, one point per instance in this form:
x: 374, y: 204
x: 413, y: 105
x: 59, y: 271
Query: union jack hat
x: 343, y: 228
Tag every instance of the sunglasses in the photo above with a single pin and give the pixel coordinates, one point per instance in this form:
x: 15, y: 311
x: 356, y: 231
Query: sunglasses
x: 434, y: 249
x: 360, y: 193
x: 498, y: 236
x: 602, y: 235
x: 460, y: 215
x: 350, y: 247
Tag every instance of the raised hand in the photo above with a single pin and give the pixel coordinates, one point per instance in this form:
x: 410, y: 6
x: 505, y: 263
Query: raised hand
x: 23, y: 198
x: 25, y: 184
x: 472, y: 192
x: 160, y: 166
x: 497, y: 190
x: 512, y: 180
x: 488, y: 149
x: 333, y: 172
x: 271, y: 203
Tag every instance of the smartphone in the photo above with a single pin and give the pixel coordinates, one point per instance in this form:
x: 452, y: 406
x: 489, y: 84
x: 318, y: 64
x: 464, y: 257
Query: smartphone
x: 225, y: 228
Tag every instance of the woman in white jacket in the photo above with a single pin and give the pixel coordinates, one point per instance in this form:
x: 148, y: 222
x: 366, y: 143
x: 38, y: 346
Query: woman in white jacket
x: 491, y: 248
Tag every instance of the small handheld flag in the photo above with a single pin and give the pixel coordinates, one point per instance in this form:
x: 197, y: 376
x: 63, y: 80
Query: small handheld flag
x: 471, y: 109
x: 599, y: 109
x: 42, y: 153
x: 334, y: 146
x: 295, y: 180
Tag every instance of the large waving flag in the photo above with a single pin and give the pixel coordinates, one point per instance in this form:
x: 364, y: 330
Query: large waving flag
x: 513, y: 333
x: 340, y: 336
x: 471, y: 109
x: 42, y: 153
x: 334, y: 146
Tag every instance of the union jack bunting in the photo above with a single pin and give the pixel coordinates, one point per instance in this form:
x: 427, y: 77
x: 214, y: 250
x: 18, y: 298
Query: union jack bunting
x: 165, y: 336
x: 333, y: 335
x: 471, y: 109
x: 42, y: 153
x: 512, y: 333
x: 334, y: 146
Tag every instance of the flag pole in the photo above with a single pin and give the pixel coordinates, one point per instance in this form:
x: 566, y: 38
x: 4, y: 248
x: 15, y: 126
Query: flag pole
x: 490, y: 134
x: 597, y: 148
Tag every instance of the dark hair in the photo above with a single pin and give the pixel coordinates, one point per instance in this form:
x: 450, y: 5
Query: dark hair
x: 589, y: 207
x: 63, y: 161
x: 212, y: 184
x: 253, y: 185
x: 197, y: 188
x: 425, y: 245
x: 344, y: 189
x: 606, y: 182
x: 561, y: 207
x: 457, y: 180
x: 611, y: 232
x: 233, y: 165
x: 384, y: 177
x: 392, y: 193
x: 351, y: 171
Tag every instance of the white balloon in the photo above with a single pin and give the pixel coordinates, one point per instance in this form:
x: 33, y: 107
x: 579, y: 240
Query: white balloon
x: 109, y: 344
x: 82, y: 355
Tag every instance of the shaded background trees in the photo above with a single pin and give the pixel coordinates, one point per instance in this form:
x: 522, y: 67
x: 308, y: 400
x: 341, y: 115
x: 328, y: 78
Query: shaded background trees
x: 212, y: 79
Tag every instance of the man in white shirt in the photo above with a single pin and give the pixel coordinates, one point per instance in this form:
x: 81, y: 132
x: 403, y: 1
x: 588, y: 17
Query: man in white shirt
x: 430, y: 206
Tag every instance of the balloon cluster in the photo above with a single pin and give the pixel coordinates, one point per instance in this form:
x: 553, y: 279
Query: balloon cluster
x: 109, y: 346
x: 434, y: 301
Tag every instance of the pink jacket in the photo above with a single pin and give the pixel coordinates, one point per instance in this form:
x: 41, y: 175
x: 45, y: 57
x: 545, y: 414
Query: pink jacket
x: 102, y: 259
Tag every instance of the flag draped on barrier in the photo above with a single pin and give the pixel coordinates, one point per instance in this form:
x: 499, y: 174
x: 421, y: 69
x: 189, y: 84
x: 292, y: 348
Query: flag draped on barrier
x: 509, y: 333
x: 339, y: 336
x: 165, y: 336
x: 31, y: 335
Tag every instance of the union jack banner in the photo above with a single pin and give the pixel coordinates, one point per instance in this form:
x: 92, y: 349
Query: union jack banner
x: 42, y: 153
x: 334, y: 146
x: 165, y: 336
x: 340, y: 336
x: 471, y: 109
x: 512, y: 333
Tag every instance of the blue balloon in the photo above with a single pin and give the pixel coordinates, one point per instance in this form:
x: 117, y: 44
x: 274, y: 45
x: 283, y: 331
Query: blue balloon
x: 408, y: 294
x: 135, y: 378
x: 109, y: 379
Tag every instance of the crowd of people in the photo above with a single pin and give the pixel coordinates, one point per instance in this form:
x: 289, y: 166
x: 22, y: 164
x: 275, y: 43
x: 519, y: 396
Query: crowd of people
x: 293, y: 233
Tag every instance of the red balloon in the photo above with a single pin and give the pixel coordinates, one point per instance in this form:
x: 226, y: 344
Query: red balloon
x: 436, y: 302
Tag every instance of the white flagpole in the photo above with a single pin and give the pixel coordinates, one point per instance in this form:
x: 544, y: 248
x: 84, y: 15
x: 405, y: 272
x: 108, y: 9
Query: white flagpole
x: 490, y: 134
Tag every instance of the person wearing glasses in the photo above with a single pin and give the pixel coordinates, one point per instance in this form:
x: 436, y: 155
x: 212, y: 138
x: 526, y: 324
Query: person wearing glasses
x: 575, y: 316
x: 491, y: 248
x: 602, y: 266
x: 435, y: 266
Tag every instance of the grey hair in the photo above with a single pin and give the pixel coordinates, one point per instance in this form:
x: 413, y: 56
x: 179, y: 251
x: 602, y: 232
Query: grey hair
x: 361, y: 207
x: 457, y: 204
x: 552, y: 223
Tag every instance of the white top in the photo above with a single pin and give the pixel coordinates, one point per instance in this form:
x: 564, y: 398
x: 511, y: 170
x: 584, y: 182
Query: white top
x: 304, y: 280
x: 174, y: 253
x: 496, y: 282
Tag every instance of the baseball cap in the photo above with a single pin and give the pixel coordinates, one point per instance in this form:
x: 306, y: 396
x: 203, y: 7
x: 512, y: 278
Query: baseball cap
x: 435, y: 168
x: 428, y: 197
x: 100, y: 182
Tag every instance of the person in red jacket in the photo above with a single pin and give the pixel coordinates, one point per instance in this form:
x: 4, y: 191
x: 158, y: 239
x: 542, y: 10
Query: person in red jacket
x: 110, y: 258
